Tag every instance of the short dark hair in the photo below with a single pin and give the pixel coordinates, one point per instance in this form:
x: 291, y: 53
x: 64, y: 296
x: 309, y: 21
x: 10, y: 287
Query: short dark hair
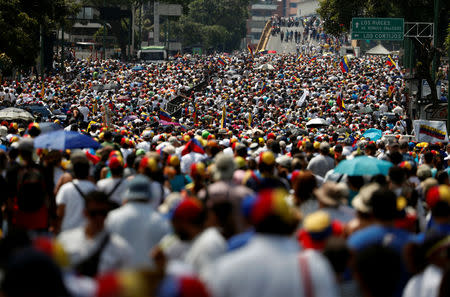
x: 384, y: 205
x: 81, y: 170
x: 379, y: 270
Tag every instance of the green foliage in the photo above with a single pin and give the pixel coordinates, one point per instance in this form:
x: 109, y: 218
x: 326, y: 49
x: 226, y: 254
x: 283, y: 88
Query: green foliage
x: 20, y: 21
x: 218, y: 24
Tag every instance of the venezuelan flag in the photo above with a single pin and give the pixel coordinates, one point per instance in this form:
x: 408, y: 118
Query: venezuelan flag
x: 164, y: 115
x: 264, y: 88
x: 42, y: 90
x: 221, y: 61
x: 344, y: 64
x: 193, y: 146
x: 390, y: 62
x: 250, y: 50
x: 312, y: 59
x: 194, y: 114
x: 340, y: 102
x: 299, y: 58
x: 224, y: 115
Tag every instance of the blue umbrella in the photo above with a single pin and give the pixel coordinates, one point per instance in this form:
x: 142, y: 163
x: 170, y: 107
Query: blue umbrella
x: 363, y: 165
x: 137, y: 68
x: 61, y: 140
x: 373, y: 134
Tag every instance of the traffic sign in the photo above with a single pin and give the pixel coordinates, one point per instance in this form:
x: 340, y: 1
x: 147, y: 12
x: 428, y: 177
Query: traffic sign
x: 377, y: 28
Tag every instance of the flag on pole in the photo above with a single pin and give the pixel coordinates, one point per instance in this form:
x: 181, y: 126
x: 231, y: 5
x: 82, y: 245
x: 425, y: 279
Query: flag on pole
x: 250, y: 50
x: 42, y: 90
x: 344, y: 64
x: 390, y: 62
x: 195, y: 115
x: 299, y: 58
x: 340, y: 102
x: 224, y: 114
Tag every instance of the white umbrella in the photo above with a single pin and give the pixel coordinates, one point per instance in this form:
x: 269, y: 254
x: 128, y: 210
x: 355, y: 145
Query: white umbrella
x: 266, y: 66
x: 317, y: 122
x: 13, y: 114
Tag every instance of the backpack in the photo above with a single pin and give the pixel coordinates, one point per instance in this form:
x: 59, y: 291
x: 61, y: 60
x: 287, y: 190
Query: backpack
x: 31, y: 190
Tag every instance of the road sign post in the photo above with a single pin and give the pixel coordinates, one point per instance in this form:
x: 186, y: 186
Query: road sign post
x: 377, y: 28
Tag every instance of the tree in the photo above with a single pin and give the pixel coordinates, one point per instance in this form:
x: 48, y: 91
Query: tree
x: 21, y: 20
x: 337, y: 15
x: 218, y: 24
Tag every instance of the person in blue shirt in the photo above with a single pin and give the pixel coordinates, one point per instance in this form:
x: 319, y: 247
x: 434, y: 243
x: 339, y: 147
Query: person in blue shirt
x: 383, y: 205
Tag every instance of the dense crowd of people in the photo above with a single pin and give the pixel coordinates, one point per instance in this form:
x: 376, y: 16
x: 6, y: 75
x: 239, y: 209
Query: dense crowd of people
x: 237, y: 191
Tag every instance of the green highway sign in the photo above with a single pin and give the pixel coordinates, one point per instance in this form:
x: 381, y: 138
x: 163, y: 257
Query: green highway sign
x: 377, y: 29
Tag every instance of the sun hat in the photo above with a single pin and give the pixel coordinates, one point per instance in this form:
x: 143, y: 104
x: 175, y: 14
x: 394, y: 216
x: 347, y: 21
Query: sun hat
x: 332, y: 194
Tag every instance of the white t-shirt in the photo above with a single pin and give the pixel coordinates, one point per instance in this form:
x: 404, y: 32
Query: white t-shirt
x: 108, y: 184
x: 115, y: 255
x: 425, y: 284
x: 74, y: 203
x: 85, y: 112
x: 206, y: 248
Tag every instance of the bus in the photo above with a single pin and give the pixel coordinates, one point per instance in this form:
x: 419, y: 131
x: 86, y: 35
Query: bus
x: 152, y: 53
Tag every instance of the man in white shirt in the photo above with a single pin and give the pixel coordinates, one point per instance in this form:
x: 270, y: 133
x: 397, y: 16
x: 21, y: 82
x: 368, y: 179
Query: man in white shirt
x: 91, y: 249
x: 270, y: 263
x: 138, y: 222
x: 320, y: 164
x: 206, y: 244
x: 70, y: 197
x: 114, y: 186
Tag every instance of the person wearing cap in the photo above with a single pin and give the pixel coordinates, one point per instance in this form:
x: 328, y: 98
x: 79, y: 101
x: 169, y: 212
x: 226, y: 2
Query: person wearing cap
x: 189, y: 223
x: 138, y: 222
x: 317, y: 228
x: 115, y: 185
x: 91, y: 248
x: 70, y: 197
x: 321, y: 163
x: 270, y: 264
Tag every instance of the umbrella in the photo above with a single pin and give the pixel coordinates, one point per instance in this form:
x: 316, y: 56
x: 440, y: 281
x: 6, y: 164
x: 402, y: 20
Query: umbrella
x: 422, y: 144
x: 130, y: 118
x: 13, y: 114
x: 363, y: 165
x: 373, y: 134
x: 123, y: 98
x: 317, y: 122
x: 266, y: 66
x: 61, y: 140
x: 47, y: 127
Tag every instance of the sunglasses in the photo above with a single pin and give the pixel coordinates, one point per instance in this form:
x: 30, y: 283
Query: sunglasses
x: 98, y: 212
